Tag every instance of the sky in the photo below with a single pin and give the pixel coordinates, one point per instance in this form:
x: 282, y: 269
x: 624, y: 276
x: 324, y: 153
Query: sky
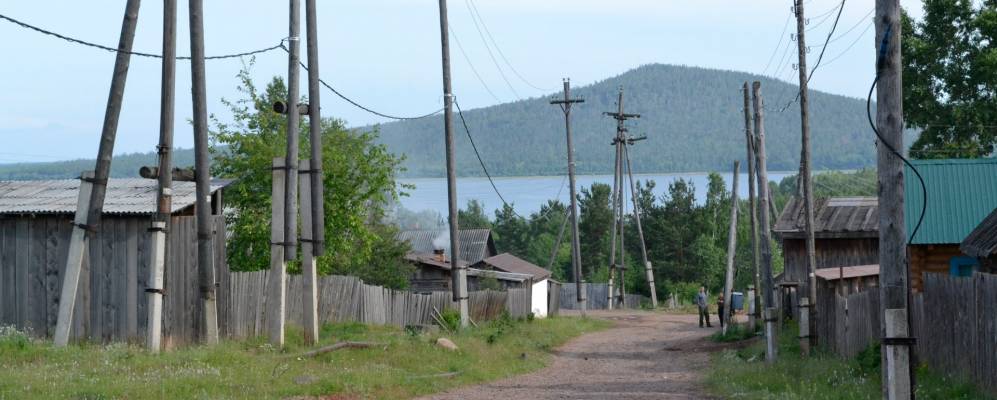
x: 385, y: 54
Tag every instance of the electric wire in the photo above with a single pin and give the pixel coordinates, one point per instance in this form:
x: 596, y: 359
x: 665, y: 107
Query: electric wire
x: 782, y: 36
x: 489, y: 49
x: 857, y: 39
x: 480, y: 161
x: 358, y: 105
x: 470, y: 64
x: 857, y: 24
x: 134, y: 53
x: 502, y: 54
x: 819, y: 58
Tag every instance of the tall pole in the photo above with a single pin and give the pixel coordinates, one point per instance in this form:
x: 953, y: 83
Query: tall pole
x: 768, y: 286
x: 293, y: 119
x: 616, y: 221
x: 202, y: 169
x: 893, y: 286
x: 576, y: 259
x: 314, y: 174
x: 621, y: 141
x: 805, y: 168
x: 731, y: 249
x: 648, y: 271
x: 98, y: 181
x: 459, y: 270
x: 160, y: 222
x: 750, y: 137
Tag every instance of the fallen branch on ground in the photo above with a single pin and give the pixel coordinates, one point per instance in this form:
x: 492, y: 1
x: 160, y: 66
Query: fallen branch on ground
x: 337, y: 346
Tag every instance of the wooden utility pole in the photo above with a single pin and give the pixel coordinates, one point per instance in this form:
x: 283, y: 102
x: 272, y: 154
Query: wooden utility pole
x: 96, y: 185
x: 649, y: 272
x: 750, y: 137
x: 768, y: 286
x: 576, y: 258
x: 805, y: 167
x: 164, y: 190
x: 316, y: 213
x: 202, y: 171
x: 893, y: 284
x: 731, y: 249
x: 459, y: 270
x: 614, y: 200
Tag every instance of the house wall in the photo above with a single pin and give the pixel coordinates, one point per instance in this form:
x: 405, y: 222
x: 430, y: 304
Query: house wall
x: 829, y: 253
x: 111, y: 300
x: 930, y: 258
x: 540, y: 297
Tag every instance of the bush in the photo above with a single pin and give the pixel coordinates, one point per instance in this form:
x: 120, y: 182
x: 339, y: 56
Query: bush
x: 450, y: 319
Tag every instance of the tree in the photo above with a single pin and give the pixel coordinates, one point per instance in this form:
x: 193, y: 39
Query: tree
x: 594, y: 226
x: 510, y: 231
x: 358, y: 178
x: 473, y: 217
x: 950, y: 79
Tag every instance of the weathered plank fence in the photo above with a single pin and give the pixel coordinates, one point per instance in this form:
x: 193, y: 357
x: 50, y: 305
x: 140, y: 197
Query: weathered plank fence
x: 597, y: 297
x: 954, y: 321
x: 344, y: 298
x: 111, y: 301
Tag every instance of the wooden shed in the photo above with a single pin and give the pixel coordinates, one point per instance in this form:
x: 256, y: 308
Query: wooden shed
x: 35, y: 228
x: 475, y: 244
x: 846, y: 234
x: 982, y: 244
x: 539, y: 277
x: 961, y: 194
x: 433, y: 273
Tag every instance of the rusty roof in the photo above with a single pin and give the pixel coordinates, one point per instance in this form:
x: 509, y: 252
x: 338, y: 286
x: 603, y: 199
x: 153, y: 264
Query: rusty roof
x: 833, y: 274
x: 982, y: 241
x: 834, y: 217
x: 434, y: 261
x: 124, y: 196
x: 475, y: 244
x: 510, y: 263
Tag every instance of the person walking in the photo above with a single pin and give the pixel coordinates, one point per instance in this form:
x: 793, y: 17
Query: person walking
x: 703, y: 307
x: 720, y: 310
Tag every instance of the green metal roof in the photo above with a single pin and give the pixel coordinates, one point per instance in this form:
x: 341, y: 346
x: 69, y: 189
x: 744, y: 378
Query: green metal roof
x: 961, y: 193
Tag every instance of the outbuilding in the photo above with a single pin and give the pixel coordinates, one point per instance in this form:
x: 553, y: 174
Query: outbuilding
x: 539, y: 278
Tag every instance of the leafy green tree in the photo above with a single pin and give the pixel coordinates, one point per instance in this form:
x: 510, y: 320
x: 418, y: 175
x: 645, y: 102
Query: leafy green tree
x: 950, y: 78
x: 358, y: 178
x: 473, y: 217
x: 594, y: 224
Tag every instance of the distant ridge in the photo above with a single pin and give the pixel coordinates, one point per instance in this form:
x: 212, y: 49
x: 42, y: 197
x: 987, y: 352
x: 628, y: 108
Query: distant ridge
x: 122, y: 166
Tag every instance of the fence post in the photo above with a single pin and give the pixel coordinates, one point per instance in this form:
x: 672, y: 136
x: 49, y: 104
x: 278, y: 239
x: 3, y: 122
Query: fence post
x: 804, y: 326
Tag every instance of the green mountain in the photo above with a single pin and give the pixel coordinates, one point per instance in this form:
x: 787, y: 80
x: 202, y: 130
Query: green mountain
x: 691, y: 116
x: 123, y: 166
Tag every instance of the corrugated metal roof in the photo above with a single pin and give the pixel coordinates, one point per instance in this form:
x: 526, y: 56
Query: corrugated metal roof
x: 982, y: 241
x: 123, y: 196
x: 432, y: 260
x: 836, y: 216
x: 961, y: 193
x: 510, y: 263
x: 475, y: 244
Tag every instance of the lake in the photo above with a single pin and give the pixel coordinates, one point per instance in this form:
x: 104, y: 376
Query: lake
x: 528, y: 193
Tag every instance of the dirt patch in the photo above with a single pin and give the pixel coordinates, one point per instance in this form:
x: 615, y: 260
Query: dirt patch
x: 644, y: 356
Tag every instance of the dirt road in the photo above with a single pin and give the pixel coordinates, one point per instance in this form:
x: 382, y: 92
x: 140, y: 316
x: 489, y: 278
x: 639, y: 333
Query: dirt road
x: 644, y: 356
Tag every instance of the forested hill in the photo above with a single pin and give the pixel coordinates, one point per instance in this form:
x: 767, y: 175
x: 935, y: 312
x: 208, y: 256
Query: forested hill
x: 123, y: 166
x: 691, y: 116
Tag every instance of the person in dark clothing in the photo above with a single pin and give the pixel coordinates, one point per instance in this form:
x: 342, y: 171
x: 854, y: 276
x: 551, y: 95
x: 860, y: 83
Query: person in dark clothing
x: 720, y: 310
x: 704, y: 312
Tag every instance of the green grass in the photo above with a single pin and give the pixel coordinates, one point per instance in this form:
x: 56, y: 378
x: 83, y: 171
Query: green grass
x: 735, y: 333
x: 743, y: 374
x: 402, y: 368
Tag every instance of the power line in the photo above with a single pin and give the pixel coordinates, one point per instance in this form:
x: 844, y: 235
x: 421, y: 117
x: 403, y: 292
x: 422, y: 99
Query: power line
x: 489, y: 49
x: 499, y: 49
x: 478, y: 155
x: 857, y: 24
x: 782, y: 36
x: 470, y: 64
x: 857, y: 39
x: 134, y: 53
x: 358, y: 105
x: 819, y: 58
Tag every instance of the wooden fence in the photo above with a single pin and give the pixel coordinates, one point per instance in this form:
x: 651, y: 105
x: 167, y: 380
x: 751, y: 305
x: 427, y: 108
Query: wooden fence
x: 954, y: 321
x: 343, y: 298
x: 111, y: 299
x: 596, y: 297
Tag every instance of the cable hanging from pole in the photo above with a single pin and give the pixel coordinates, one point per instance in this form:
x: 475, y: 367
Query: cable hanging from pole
x: 822, y: 50
x: 134, y: 53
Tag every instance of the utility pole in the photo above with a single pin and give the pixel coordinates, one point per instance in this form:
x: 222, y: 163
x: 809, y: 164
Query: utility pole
x: 164, y: 190
x: 731, y: 249
x: 96, y: 184
x: 805, y: 167
x: 621, y: 141
x: 893, y: 286
x: 576, y: 258
x: 317, y: 212
x: 614, y: 199
x: 750, y: 137
x: 768, y: 288
x: 459, y: 270
x: 202, y: 170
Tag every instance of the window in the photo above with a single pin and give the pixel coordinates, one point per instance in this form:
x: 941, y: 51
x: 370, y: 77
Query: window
x: 963, y: 266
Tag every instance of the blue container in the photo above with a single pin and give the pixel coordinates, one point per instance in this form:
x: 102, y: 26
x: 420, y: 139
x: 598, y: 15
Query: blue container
x: 737, y: 300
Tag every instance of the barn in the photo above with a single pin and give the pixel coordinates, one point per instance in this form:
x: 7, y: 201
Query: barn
x: 35, y: 229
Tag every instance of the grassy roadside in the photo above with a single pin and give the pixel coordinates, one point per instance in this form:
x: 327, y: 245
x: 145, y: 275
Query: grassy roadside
x: 743, y: 374
x: 403, y: 367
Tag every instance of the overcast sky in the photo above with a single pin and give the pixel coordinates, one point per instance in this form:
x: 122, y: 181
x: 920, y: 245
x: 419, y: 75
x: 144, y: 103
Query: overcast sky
x: 386, y: 54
